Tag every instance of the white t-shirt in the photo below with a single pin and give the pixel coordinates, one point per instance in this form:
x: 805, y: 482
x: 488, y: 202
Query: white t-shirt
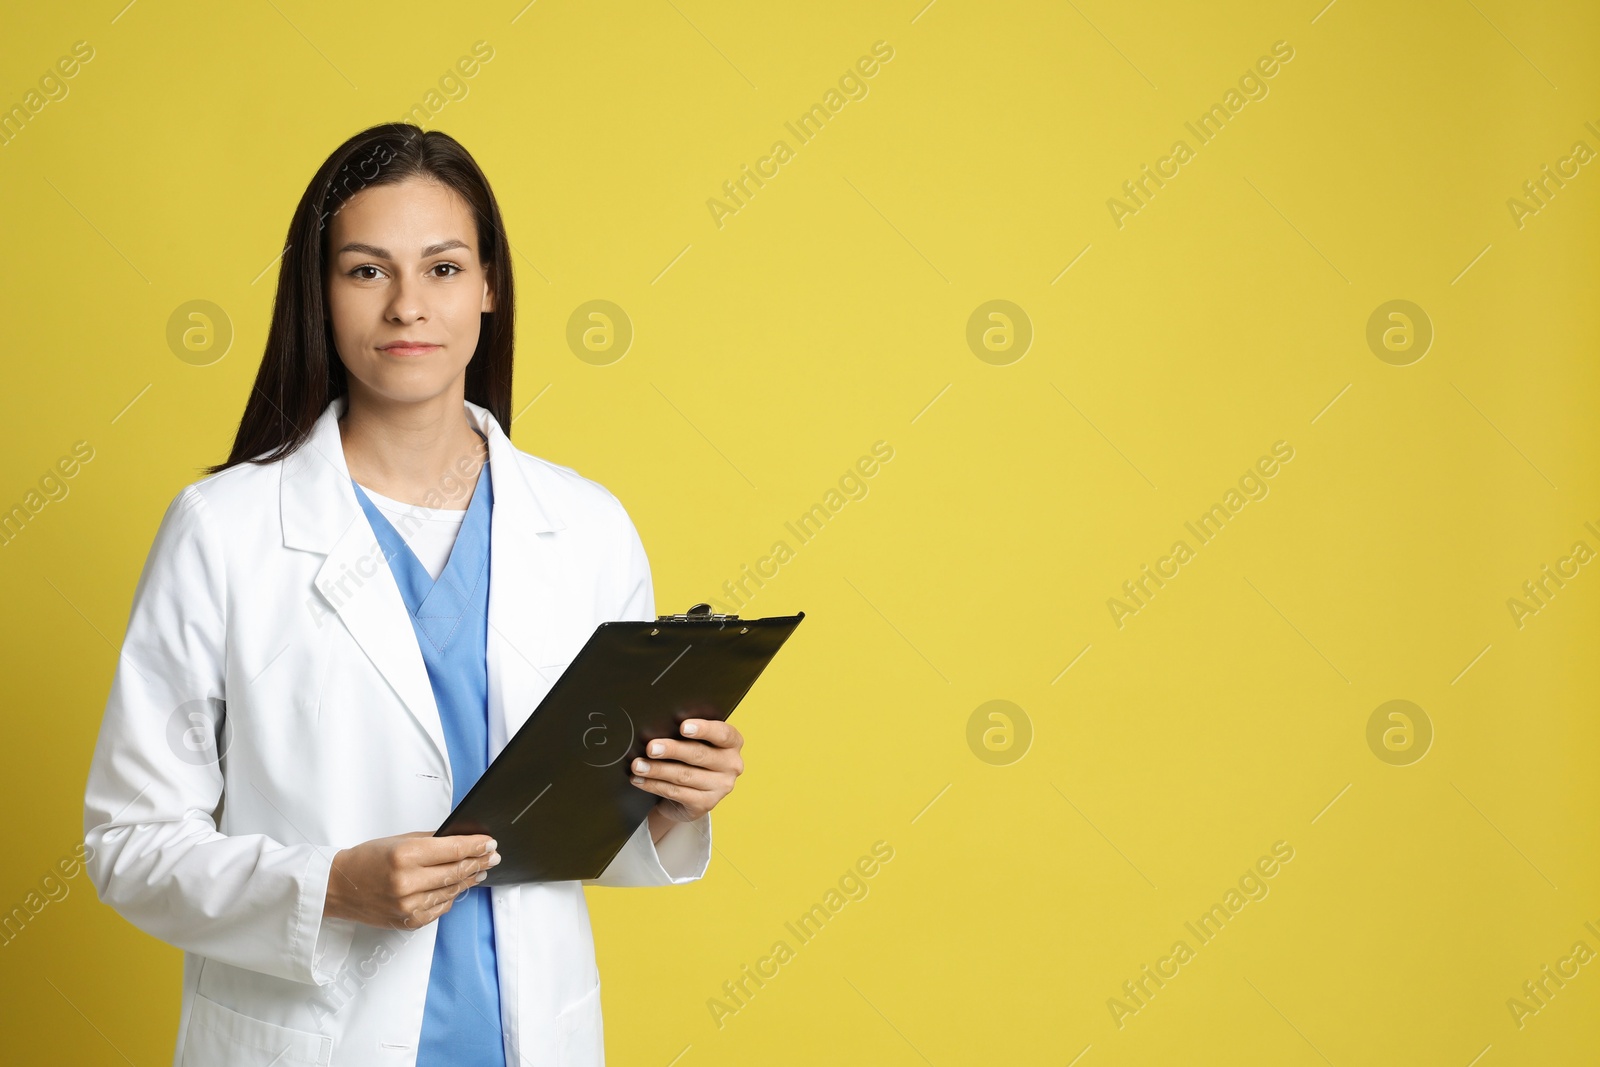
x: 431, y: 532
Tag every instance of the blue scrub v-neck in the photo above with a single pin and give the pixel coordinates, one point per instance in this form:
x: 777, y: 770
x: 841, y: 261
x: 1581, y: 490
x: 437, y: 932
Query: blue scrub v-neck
x: 461, y: 1021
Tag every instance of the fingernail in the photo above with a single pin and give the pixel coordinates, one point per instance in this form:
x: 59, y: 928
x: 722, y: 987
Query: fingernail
x: 494, y: 859
x: 481, y: 876
x: 489, y: 846
x: 655, y: 749
x: 641, y: 766
x: 638, y: 781
x: 691, y: 727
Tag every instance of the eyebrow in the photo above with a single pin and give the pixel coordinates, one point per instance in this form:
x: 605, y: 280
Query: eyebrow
x: 383, y: 253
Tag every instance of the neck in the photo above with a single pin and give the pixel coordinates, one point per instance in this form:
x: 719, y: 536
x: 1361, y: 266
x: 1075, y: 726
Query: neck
x: 426, y: 453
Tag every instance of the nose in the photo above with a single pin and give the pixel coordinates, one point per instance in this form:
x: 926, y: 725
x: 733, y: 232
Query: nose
x: 406, y: 303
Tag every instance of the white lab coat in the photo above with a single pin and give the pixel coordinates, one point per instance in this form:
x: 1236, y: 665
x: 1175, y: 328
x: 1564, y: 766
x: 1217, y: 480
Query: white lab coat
x: 267, y: 595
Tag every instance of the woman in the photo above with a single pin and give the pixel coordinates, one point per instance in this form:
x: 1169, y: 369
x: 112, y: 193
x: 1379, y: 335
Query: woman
x: 334, y: 633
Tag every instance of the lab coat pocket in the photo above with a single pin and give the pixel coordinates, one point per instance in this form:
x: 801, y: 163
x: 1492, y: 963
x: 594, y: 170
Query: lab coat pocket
x: 580, y: 1033
x: 220, y: 1035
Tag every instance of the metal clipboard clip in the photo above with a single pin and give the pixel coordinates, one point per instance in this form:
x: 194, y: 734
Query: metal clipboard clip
x: 698, y: 613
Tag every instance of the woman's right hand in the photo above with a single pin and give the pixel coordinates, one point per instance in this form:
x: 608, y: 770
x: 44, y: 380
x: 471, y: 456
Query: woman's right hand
x: 408, y: 880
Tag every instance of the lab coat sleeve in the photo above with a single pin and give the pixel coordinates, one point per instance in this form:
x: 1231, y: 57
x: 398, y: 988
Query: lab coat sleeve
x: 155, y: 785
x: 685, y: 852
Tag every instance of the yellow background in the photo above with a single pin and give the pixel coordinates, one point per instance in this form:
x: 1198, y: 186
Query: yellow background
x: 826, y: 315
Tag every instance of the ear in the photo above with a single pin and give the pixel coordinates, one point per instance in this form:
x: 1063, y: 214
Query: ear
x: 488, y: 291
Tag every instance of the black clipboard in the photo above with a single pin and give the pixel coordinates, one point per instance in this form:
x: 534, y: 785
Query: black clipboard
x: 557, y: 799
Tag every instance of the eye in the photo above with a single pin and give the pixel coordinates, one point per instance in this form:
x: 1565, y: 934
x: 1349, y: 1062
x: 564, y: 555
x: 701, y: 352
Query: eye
x: 455, y: 269
x: 356, y: 273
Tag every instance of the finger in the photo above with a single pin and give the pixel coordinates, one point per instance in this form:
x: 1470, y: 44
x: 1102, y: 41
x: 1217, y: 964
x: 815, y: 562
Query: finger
x: 416, y: 918
x: 444, y: 875
x: 426, y: 906
x: 425, y: 853
x: 453, y: 892
x: 421, y: 908
x: 471, y: 881
x: 713, y: 731
x: 465, y: 855
x: 420, y: 917
x: 688, y: 796
x: 679, y: 774
x: 432, y: 851
x: 696, y: 753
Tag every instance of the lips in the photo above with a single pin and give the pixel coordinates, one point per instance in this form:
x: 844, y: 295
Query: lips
x: 409, y: 348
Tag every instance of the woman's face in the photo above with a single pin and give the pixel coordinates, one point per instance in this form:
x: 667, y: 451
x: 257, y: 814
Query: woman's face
x: 403, y: 268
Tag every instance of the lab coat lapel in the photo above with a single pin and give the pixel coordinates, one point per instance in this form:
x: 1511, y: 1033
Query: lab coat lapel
x: 321, y: 514
x: 525, y: 613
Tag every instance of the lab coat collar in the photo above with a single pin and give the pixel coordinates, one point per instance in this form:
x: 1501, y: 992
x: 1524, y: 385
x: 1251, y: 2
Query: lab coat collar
x: 319, y: 503
x: 320, y: 513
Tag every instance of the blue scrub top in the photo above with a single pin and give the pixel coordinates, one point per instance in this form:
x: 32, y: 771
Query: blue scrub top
x: 461, y: 1022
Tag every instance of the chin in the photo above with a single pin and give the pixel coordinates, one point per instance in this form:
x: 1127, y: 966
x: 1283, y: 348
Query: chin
x: 408, y: 388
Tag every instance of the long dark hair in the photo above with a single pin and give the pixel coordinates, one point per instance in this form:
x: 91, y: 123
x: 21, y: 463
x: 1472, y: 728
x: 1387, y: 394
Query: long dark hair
x: 301, y: 372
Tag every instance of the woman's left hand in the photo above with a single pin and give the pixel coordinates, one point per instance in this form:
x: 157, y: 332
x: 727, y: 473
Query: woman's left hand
x: 690, y: 776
